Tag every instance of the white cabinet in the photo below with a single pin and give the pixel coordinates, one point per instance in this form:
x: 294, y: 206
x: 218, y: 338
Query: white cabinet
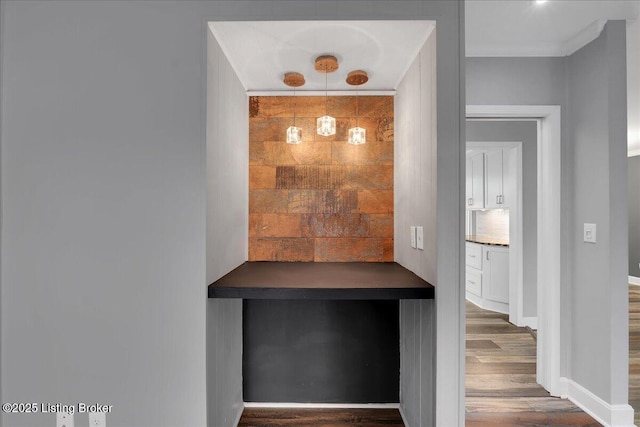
x: 494, y: 161
x: 496, y: 273
x: 486, y: 180
x: 475, y: 181
x: 487, y: 276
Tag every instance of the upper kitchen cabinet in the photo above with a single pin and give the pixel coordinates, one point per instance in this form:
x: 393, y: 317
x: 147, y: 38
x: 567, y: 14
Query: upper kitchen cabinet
x: 475, y: 181
x: 494, y: 161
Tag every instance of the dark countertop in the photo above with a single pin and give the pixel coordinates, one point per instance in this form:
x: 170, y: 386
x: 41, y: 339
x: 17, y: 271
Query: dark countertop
x: 486, y: 240
x: 321, y: 280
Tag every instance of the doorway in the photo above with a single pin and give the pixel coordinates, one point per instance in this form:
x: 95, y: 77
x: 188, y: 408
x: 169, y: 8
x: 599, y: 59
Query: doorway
x: 549, y: 346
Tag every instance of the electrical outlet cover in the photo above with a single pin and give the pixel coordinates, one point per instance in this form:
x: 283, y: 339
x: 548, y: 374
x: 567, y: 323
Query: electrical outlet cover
x: 97, y: 419
x: 413, y: 237
x: 64, y: 419
x: 589, y: 233
x: 420, y: 237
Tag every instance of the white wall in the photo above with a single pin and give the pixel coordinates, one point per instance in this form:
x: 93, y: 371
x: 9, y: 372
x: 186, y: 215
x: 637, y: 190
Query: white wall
x: 416, y: 190
x: 104, y: 201
x: 227, y: 230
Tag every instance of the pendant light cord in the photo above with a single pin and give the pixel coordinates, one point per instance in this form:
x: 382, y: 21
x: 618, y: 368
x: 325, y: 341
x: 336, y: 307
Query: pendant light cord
x: 326, y: 93
x: 357, y: 112
x: 294, y: 106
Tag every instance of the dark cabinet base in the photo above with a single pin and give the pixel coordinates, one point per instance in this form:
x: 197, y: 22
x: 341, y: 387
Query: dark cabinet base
x: 321, y: 351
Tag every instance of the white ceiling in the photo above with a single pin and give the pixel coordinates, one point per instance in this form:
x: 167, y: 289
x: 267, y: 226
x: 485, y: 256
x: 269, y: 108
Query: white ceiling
x: 526, y: 28
x: 261, y: 52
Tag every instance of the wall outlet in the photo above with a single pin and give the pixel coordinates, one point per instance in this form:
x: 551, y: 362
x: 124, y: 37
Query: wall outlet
x: 97, y: 419
x: 420, y: 238
x: 64, y: 419
x: 413, y: 237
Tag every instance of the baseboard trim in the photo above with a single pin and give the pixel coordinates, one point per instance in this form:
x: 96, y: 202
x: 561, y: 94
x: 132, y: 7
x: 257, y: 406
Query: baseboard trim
x: 634, y: 280
x: 605, y: 413
x: 322, y: 405
x: 238, y: 417
x: 531, y: 322
x: 404, y: 418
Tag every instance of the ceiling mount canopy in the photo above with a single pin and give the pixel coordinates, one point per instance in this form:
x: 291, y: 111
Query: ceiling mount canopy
x: 293, y: 79
x: 357, y: 77
x: 326, y: 64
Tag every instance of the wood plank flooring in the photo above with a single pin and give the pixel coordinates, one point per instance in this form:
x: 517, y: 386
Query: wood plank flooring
x: 634, y: 350
x: 254, y: 417
x: 501, y: 388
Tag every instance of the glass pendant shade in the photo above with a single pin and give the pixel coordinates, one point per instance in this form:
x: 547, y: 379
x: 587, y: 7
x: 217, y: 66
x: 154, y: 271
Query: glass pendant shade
x: 326, y: 126
x: 294, y: 135
x: 357, y: 136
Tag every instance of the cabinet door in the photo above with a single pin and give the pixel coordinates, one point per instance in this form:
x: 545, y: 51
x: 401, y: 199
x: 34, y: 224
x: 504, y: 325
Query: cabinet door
x: 496, y: 273
x: 473, y: 281
x: 475, y: 181
x: 494, y: 173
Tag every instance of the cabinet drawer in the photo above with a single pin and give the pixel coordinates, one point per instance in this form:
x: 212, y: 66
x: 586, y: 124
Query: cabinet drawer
x: 473, y: 282
x: 474, y: 255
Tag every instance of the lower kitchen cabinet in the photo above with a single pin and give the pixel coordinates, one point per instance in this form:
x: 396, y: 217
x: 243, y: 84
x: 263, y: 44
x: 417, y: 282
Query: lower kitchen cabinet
x: 487, y: 278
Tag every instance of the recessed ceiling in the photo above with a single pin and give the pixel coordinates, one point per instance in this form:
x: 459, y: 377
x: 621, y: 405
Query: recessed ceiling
x: 526, y: 28
x: 260, y: 52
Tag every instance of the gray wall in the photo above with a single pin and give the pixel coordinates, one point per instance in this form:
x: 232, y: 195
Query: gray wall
x: 599, y: 296
x: 634, y: 215
x: 415, y: 174
x: 590, y: 88
x: 525, y: 131
x: 103, y: 174
x: 104, y: 201
x: 227, y: 232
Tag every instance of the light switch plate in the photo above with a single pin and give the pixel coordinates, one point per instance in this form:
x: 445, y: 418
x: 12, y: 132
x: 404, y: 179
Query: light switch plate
x: 420, y: 238
x: 64, y: 419
x: 97, y: 419
x: 589, y: 233
x: 413, y: 237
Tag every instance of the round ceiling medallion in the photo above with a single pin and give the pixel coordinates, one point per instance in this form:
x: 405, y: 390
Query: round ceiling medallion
x: 293, y: 79
x: 326, y: 64
x: 357, y: 78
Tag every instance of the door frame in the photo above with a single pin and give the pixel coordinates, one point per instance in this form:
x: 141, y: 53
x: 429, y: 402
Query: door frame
x: 549, y: 347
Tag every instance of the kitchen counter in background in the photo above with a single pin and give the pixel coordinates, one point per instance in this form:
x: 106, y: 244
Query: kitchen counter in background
x: 486, y: 240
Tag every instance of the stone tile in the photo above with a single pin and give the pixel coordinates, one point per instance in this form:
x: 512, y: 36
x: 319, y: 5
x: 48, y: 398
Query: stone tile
x: 375, y: 106
x: 375, y: 177
x: 283, y: 106
x: 261, y: 177
x: 322, y: 201
x: 332, y: 225
x: 280, y: 249
x: 381, y: 225
x: 310, y: 177
x: 268, y: 201
x: 256, y: 152
x: 387, y: 250
x: 371, y: 153
x: 276, y: 225
x: 349, y: 250
x: 279, y: 153
x: 375, y: 201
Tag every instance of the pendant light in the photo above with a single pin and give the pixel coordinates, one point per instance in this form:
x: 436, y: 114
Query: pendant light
x: 326, y: 125
x: 294, y: 134
x: 357, y: 135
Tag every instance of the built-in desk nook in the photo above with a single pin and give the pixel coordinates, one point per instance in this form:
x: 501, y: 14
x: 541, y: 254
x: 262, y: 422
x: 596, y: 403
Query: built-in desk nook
x: 318, y: 293
x: 321, y: 332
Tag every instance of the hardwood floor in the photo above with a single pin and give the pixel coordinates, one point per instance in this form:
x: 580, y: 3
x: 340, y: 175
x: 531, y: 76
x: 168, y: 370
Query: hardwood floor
x: 253, y: 417
x: 634, y: 350
x: 501, y: 388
